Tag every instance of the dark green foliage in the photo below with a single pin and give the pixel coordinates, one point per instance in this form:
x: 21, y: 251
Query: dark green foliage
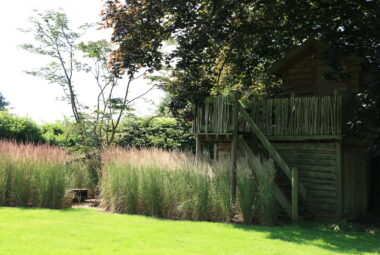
x: 19, y: 129
x: 160, y: 132
x: 365, y: 118
x: 225, y: 46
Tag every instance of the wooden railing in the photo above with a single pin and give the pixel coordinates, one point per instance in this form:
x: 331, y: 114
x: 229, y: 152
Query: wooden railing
x: 214, y: 116
x: 294, y: 116
x: 297, y: 116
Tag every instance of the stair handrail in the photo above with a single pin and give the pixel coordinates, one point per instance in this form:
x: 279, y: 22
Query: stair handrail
x: 278, y: 194
x: 269, y: 147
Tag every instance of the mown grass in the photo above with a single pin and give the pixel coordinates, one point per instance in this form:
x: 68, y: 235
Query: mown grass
x: 85, y: 231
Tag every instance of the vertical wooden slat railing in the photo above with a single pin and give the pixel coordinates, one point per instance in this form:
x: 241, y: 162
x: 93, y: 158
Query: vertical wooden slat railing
x: 294, y: 116
x: 297, y: 116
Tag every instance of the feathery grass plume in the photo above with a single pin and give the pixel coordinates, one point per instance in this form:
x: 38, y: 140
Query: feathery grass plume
x: 267, y: 205
x: 176, y: 185
x: 4, y: 181
x: 166, y: 184
x: 51, y: 182
x: 222, y: 190
x: 32, y: 175
x: 247, y: 187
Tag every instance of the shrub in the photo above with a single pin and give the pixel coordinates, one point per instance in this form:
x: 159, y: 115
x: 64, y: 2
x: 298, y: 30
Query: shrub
x: 59, y: 133
x: 32, y: 175
x: 19, y: 129
x: 159, y: 132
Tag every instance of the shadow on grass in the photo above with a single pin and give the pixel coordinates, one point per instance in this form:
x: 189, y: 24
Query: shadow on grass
x: 317, y: 234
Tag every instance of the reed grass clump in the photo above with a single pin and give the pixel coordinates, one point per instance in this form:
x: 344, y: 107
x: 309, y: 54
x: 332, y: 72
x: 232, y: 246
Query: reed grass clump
x: 267, y: 205
x: 256, y: 191
x: 247, y: 192
x: 32, y: 175
x: 165, y: 184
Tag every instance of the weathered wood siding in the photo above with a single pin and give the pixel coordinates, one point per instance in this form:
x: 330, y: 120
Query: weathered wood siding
x: 300, y: 77
x: 318, y: 172
x: 306, y: 75
x: 354, y: 181
x: 223, y: 150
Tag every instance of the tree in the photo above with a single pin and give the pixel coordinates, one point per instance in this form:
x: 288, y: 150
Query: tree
x: 109, y: 109
x: 229, y: 45
x: 225, y: 46
x: 3, y: 103
x: 55, y: 39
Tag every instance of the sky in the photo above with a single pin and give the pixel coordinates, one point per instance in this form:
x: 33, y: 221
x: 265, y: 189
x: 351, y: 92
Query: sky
x: 32, y: 96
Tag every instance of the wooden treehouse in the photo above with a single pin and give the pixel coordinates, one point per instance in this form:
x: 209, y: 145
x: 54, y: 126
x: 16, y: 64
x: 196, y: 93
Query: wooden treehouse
x: 322, y: 171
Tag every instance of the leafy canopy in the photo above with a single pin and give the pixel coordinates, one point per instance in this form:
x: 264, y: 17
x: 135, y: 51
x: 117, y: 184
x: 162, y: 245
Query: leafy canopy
x: 229, y: 45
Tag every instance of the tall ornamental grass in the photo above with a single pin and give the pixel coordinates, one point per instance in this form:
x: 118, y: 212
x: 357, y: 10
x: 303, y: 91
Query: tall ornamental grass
x: 32, y: 175
x: 247, y: 192
x: 179, y: 186
x: 263, y: 179
x: 267, y: 205
x: 165, y: 184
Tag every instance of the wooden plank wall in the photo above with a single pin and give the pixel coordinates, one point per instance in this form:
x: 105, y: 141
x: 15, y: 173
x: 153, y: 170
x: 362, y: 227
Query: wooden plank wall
x: 307, y: 75
x: 317, y: 170
x: 354, y: 181
x: 301, y: 77
x: 317, y: 164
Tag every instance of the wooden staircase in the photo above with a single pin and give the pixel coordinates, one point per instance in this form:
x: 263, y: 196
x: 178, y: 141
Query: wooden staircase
x: 286, y: 195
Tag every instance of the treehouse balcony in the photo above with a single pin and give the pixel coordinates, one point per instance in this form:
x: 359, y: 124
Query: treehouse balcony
x: 304, y: 136
x: 292, y: 118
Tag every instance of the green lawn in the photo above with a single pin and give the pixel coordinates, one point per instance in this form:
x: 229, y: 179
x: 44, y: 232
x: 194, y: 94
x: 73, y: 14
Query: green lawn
x: 85, y: 231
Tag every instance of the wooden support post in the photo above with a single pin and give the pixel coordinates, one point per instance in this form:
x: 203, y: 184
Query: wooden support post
x: 215, y: 151
x: 294, y: 194
x: 234, y: 148
x: 198, y: 146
